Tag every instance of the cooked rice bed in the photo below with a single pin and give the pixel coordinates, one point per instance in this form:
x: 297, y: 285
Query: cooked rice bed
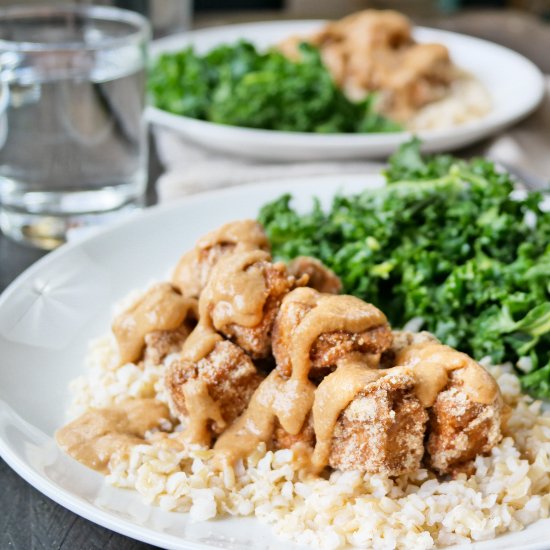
x: 508, y: 490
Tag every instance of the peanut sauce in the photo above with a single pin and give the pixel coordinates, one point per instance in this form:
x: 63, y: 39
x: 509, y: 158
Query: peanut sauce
x: 291, y: 400
x: 201, y: 408
x: 274, y: 398
x: 236, y: 291
x: 330, y: 313
x: 432, y: 363
x: 200, y: 342
x: 336, y: 391
x: 190, y: 276
x: 94, y: 437
x: 244, y: 233
x: 160, y: 308
x: 354, y: 373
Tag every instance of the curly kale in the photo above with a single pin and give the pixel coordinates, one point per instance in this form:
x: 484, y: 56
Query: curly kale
x: 237, y: 85
x: 446, y: 240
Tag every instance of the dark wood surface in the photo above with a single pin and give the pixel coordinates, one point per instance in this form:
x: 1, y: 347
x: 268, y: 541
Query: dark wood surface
x: 28, y: 519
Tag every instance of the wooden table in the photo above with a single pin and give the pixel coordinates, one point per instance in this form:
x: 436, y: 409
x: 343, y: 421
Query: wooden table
x: 28, y: 519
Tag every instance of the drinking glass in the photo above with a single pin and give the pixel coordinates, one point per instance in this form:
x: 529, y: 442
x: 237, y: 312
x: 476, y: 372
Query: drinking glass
x: 73, y: 148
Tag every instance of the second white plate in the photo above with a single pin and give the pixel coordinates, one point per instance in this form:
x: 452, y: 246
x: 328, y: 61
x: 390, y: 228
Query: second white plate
x: 515, y: 84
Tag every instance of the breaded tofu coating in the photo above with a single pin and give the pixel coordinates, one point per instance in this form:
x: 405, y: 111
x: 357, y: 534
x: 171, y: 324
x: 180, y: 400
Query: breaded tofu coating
x: 461, y: 429
x: 194, y: 268
x: 368, y: 30
x: 230, y: 376
x: 382, y: 429
x: 320, y: 277
x: 328, y: 347
x: 257, y: 340
x: 284, y: 440
x: 402, y: 339
x: 464, y: 404
x: 161, y: 308
x: 161, y: 343
x: 374, y: 50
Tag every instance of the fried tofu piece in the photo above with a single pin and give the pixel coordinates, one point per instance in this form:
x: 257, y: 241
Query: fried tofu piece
x: 290, y: 315
x: 367, y: 30
x: 289, y: 47
x: 320, y: 277
x: 358, y: 48
x: 230, y: 376
x: 329, y: 346
x: 417, y: 76
x: 161, y: 343
x: 160, y: 308
x: 402, y: 339
x: 460, y: 429
x: 374, y: 51
x: 242, y: 298
x: 284, y: 440
x: 194, y: 268
x: 464, y: 401
x: 332, y: 346
x: 256, y: 341
x: 382, y: 430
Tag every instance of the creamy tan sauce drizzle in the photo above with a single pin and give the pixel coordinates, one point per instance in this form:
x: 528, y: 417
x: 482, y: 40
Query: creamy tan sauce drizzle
x: 187, y: 274
x: 160, y: 308
x: 275, y: 398
x: 334, y: 394
x: 95, y: 436
x: 432, y: 363
x: 200, y: 342
x: 192, y: 271
x: 236, y: 291
x: 245, y: 233
x: 202, y: 409
x: 331, y: 313
x: 291, y: 400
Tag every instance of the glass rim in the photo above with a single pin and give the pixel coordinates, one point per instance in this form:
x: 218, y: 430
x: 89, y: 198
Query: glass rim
x: 140, y: 31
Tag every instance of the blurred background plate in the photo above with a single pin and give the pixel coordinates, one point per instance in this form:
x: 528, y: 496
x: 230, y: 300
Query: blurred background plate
x: 515, y: 84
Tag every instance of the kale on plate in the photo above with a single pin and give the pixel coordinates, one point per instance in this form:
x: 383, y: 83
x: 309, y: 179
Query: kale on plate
x: 447, y: 241
x: 240, y: 86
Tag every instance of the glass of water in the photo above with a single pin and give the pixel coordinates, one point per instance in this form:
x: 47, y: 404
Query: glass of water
x: 73, y: 147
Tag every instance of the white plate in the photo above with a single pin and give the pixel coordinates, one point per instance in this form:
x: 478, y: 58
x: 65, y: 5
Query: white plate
x: 515, y: 84
x: 47, y: 317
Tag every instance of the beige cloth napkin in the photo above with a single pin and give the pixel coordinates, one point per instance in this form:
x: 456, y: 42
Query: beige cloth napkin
x: 189, y: 169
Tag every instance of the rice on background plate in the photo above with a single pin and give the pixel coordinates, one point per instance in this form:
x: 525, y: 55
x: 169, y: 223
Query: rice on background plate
x: 507, y: 491
x: 467, y: 100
